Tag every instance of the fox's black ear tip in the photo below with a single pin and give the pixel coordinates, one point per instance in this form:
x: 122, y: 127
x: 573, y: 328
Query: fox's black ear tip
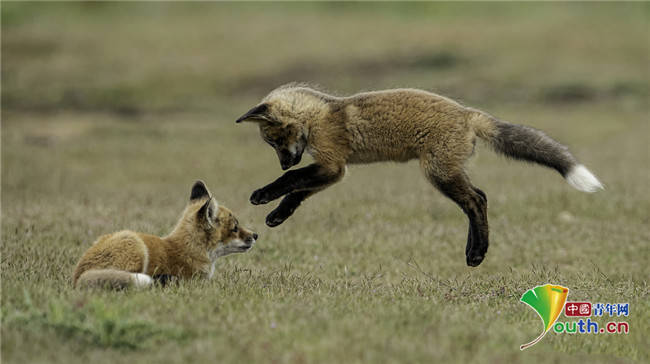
x: 242, y: 118
x: 199, y: 190
x: 256, y: 113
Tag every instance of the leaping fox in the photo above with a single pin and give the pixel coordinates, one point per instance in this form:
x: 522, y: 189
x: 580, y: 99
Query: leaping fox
x: 395, y: 125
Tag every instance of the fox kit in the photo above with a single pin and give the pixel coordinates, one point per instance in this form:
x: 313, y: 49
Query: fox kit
x: 205, y: 232
x: 394, y: 125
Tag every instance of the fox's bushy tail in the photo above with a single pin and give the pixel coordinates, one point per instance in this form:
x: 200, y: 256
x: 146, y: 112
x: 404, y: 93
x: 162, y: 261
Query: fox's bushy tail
x: 532, y: 145
x: 113, y: 279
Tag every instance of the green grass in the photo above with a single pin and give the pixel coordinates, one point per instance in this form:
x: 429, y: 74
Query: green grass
x: 91, y: 323
x: 111, y: 111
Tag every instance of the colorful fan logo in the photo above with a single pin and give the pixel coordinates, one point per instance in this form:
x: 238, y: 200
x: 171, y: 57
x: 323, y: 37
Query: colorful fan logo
x: 548, y: 301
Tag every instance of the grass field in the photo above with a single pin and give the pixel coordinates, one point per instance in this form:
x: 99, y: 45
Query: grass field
x: 110, y: 112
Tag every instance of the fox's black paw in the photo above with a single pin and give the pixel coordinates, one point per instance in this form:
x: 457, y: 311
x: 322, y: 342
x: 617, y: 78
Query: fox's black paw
x: 475, y: 249
x: 275, y: 218
x: 474, y: 261
x: 279, y: 215
x: 260, y: 197
x: 474, y: 258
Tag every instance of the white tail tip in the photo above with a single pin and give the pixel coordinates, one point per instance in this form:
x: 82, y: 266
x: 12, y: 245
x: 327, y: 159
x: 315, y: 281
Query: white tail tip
x: 580, y: 178
x: 141, y: 280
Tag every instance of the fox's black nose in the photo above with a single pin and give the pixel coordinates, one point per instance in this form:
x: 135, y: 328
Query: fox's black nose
x: 255, y: 236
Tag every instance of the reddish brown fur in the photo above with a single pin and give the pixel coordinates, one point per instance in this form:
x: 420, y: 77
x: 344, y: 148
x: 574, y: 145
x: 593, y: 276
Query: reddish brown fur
x: 204, y: 232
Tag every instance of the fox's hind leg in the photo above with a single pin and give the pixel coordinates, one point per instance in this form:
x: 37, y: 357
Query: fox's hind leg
x: 469, y: 232
x: 474, y: 204
x: 456, y: 185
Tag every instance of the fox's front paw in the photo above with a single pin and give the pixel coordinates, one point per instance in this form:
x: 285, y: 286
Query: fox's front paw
x: 278, y: 216
x: 274, y: 219
x: 259, y: 197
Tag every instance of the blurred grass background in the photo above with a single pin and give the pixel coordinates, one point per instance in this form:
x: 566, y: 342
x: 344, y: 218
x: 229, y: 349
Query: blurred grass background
x: 111, y: 110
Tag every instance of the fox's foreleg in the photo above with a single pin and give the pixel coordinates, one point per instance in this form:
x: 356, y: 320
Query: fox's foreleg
x: 287, y: 206
x: 314, y: 176
x: 297, y: 185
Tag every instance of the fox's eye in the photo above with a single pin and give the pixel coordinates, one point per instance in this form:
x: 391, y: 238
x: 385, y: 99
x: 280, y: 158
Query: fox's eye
x: 236, y: 229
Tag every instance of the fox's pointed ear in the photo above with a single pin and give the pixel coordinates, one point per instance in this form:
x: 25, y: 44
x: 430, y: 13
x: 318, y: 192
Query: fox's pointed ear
x: 199, y: 190
x: 258, y: 113
x: 207, y: 213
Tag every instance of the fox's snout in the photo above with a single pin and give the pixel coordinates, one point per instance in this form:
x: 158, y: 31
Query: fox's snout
x: 288, y: 159
x: 249, y: 238
x: 286, y: 164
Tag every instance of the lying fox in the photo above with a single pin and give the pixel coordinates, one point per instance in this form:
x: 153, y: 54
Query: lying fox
x: 205, y: 232
x: 395, y: 125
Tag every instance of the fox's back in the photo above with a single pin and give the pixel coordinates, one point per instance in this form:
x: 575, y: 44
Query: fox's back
x: 397, y: 124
